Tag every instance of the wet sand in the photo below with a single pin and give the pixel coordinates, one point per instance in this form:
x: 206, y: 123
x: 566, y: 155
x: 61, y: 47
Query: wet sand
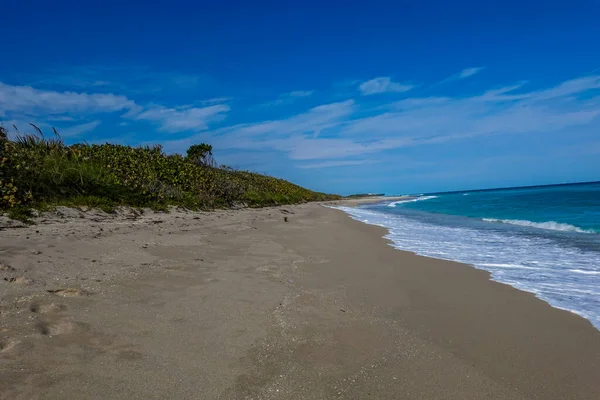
x: 243, y: 305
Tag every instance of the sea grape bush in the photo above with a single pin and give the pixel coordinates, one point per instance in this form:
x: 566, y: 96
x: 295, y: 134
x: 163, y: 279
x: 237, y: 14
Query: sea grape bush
x: 36, y: 170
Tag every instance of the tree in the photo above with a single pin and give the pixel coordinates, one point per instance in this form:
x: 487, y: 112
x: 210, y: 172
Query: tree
x: 201, y: 154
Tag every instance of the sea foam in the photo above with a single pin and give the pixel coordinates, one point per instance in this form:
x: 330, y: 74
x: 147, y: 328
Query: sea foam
x: 395, y: 203
x: 551, y: 225
x: 586, y: 272
x: 566, y: 277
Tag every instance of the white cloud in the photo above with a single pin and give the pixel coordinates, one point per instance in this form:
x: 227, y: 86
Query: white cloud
x: 340, y: 130
x: 183, y: 118
x: 335, y: 134
x: 24, y: 103
x: 382, y: 85
x: 26, y: 99
x: 311, y: 122
x: 569, y: 88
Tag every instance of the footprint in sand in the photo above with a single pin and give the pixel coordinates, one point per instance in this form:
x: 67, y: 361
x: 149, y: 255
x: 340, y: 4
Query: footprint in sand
x: 6, y: 268
x: 50, y: 308
x: 53, y: 328
x: 19, y: 280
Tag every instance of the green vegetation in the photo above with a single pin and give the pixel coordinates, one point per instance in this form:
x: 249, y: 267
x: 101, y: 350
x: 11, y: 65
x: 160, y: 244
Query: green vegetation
x: 201, y: 154
x: 36, y: 172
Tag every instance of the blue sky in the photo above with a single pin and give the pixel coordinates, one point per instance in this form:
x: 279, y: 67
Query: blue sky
x: 377, y: 96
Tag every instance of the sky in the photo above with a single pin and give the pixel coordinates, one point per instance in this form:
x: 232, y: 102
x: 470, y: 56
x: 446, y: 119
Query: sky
x: 338, y: 96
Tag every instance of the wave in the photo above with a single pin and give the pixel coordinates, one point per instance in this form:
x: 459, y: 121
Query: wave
x: 551, y: 225
x: 586, y: 272
x: 565, y: 277
x: 395, y: 203
x: 514, y: 266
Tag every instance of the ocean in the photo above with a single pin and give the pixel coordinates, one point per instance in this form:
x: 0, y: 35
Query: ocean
x: 544, y: 240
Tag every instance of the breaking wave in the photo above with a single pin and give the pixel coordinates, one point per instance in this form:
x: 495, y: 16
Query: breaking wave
x: 551, y: 225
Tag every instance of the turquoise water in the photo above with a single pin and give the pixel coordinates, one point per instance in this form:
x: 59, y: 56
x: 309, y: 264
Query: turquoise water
x: 563, y: 207
x: 544, y: 240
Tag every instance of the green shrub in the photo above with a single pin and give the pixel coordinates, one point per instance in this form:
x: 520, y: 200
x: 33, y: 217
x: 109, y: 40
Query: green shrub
x: 35, y: 170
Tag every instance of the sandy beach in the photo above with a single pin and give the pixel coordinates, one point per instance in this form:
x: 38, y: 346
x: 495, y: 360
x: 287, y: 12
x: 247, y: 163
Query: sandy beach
x: 246, y: 305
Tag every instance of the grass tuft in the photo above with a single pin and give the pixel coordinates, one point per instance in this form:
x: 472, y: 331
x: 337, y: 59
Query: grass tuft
x: 21, y: 213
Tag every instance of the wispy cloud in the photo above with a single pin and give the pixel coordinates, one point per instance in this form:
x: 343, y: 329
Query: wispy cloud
x: 80, y: 129
x: 182, y: 119
x: 383, y: 85
x: 25, y: 104
x: 464, y: 74
x: 27, y: 99
x: 334, y: 134
x: 215, y: 100
x: 468, y: 72
x: 337, y: 131
x: 312, y: 122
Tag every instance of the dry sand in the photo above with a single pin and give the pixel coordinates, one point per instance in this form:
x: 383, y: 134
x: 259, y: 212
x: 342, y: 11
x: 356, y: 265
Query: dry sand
x: 243, y: 305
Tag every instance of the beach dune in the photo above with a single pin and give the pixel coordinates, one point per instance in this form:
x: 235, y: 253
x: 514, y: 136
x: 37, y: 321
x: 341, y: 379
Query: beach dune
x: 246, y: 305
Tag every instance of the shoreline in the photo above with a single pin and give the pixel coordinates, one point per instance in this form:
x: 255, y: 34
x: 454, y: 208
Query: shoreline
x: 495, y: 275
x: 241, y: 304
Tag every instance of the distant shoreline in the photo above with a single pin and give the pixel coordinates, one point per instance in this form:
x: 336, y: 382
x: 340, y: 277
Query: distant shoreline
x: 514, y: 188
